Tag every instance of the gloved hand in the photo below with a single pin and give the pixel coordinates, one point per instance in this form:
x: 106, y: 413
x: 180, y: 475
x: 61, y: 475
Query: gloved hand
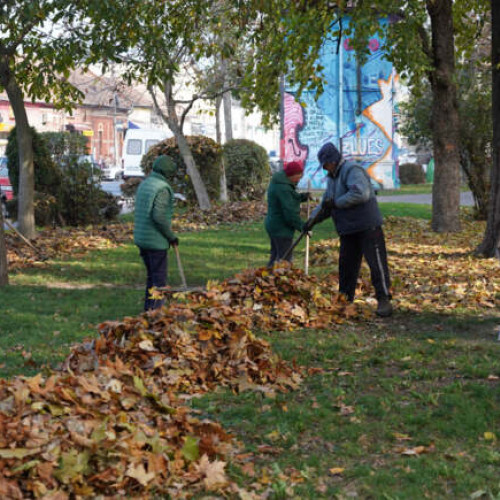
x: 328, y: 204
x: 174, y: 242
x: 308, y: 225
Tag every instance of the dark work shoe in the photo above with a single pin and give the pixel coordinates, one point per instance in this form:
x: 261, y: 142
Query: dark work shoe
x: 384, y: 308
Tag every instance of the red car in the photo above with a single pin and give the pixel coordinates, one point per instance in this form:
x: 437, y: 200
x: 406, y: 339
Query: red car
x: 5, y: 185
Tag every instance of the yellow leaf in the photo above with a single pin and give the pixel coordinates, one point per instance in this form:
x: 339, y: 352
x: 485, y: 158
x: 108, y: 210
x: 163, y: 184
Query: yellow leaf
x: 490, y: 436
x: 138, y: 472
x: 336, y: 470
x: 213, y: 472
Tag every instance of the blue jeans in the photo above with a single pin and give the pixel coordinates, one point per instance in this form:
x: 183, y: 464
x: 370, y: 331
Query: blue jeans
x: 156, y: 267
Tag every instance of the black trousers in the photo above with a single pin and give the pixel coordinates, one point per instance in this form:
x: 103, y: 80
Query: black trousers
x: 156, y: 267
x: 279, y: 246
x: 371, y: 245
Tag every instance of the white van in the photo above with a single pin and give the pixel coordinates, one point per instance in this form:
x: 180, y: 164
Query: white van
x: 137, y: 143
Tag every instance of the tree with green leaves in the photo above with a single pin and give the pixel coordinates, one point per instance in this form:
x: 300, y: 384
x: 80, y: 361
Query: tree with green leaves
x: 40, y: 42
x: 422, y: 38
x: 174, y: 49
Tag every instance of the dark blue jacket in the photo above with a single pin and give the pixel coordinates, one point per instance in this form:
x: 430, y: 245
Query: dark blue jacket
x: 355, y: 204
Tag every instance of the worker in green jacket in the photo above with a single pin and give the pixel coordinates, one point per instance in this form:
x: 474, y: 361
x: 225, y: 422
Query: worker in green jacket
x: 283, y: 210
x: 154, y: 205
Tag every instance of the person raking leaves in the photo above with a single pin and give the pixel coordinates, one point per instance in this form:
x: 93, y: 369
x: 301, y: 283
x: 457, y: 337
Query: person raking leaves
x: 283, y: 210
x: 154, y: 206
x: 350, y: 200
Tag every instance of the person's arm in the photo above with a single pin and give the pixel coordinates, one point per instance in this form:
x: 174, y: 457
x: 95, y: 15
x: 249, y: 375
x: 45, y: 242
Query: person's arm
x: 324, y: 209
x: 358, y: 186
x: 291, y: 209
x: 304, y: 197
x: 161, y: 206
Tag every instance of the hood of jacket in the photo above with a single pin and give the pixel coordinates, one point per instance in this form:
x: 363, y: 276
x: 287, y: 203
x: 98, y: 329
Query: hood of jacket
x: 164, y: 165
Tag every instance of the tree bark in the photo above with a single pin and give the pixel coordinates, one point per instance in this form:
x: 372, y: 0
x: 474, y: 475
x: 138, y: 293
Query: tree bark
x: 26, y: 209
x: 192, y: 169
x: 445, y: 120
x: 489, y: 247
x: 218, y: 131
x: 223, y: 197
x: 4, y: 274
x: 173, y: 122
x: 228, y: 118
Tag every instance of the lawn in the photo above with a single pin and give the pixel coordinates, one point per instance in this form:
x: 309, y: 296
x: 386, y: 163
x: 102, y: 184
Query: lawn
x: 407, y: 407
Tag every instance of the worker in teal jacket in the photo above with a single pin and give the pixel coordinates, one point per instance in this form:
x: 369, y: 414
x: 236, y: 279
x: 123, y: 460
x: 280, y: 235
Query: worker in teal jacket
x: 154, y: 206
x: 283, y: 210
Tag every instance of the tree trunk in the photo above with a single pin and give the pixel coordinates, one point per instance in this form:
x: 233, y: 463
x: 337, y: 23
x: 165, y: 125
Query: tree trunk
x: 228, y: 119
x: 175, y: 125
x: 223, y: 196
x: 4, y: 275
x: 26, y: 209
x: 192, y: 169
x: 490, y: 244
x: 218, y: 135
x: 218, y: 131
x: 445, y: 121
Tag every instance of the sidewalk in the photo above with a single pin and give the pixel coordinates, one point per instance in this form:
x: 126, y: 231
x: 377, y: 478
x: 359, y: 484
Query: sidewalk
x: 466, y: 199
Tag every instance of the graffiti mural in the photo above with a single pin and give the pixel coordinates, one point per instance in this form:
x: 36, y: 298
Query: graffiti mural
x: 355, y: 112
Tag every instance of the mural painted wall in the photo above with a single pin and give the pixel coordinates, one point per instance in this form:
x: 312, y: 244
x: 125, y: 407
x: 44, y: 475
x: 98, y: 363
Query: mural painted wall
x: 355, y: 112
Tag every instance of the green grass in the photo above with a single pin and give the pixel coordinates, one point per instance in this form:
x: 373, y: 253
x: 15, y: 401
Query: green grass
x: 407, y: 189
x: 382, y: 390
x: 413, y: 189
x: 426, y: 380
x: 71, y: 295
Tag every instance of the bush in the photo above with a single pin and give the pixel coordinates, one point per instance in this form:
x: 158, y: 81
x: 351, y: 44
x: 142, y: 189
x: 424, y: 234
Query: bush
x: 48, y: 176
x: 207, y: 155
x: 247, y: 169
x: 411, y: 173
x: 66, y: 191
x: 81, y: 199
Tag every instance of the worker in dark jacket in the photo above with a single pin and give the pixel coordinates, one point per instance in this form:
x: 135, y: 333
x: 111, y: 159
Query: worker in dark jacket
x: 350, y: 200
x: 154, y: 204
x: 283, y: 210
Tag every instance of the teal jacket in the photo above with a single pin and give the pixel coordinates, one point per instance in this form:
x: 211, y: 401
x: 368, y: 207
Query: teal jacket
x: 154, y: 206
x: 283, y: 207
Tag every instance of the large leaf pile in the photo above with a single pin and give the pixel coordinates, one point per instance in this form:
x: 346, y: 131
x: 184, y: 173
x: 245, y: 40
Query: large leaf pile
x: 116, y: 422
x: 54, y: 243
x: 109, y: 433
x: 430, y: 270
x: 229, y: 213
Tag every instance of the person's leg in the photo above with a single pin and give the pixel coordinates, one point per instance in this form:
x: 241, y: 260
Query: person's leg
x: 156, y: 266
x: 375, y: 254
x: 350, y: 256
x: 282, y: 246
x: 274, y: 253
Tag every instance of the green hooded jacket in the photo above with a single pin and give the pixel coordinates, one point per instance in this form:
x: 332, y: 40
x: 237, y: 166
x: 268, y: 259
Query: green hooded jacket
x: 154, y: 206
x: 283, y: 207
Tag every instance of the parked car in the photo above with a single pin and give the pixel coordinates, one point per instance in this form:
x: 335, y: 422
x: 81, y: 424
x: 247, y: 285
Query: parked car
x: 111, y: 172
x: 6, y: 190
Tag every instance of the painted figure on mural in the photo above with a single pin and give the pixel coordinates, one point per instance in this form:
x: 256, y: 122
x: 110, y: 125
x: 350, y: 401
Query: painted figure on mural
x: 355, y: 111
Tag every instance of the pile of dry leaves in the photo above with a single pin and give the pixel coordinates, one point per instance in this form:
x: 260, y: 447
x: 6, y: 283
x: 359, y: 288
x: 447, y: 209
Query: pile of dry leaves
x: 115, y: 421
x: 230, y: 213
x: 430, y: 270
x: 57, y: 242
